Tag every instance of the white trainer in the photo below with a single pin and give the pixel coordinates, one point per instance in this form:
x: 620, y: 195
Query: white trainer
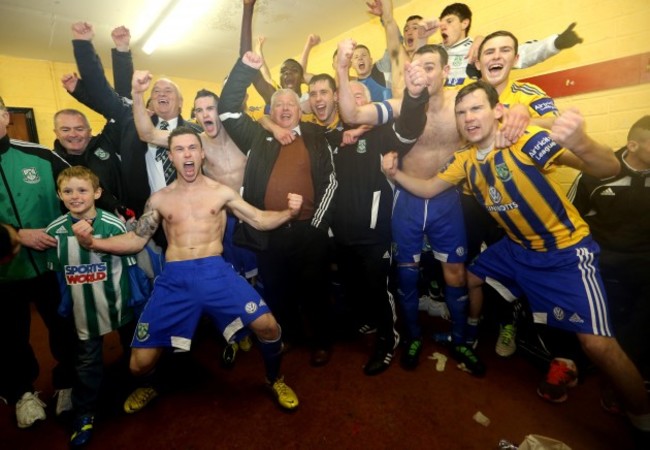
x: 433, y: 307
x: 29, y: 409
x: 63, y: 401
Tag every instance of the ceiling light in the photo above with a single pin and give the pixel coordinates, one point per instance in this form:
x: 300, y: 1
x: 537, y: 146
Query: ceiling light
x: 174, y: 25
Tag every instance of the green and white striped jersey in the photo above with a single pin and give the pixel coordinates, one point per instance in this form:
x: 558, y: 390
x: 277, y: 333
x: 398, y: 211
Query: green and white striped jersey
x: 98, y: 282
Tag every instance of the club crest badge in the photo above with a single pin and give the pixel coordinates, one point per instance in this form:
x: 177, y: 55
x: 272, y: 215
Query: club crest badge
x: 102, y: 154
x: 503, y: 172
x: 31, y: 176
x: 142, y: 332
x: 361, y: 146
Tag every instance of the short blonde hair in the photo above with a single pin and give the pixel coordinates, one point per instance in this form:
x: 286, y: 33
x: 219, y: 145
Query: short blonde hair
x: 81, y: 172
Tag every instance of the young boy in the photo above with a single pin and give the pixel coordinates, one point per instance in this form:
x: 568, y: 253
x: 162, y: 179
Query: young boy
x: 95, y: 289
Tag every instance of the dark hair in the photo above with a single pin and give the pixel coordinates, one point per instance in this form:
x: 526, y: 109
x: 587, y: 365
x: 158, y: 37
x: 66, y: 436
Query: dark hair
x: 458, y: 9
x: 492, y: 94
x: 642, y: 124
x: 205, y: 93
x: 179, y: 131
x: 498, y: 34
x: 292, y: 61
x: 324, y: 77
x: 434, y: 48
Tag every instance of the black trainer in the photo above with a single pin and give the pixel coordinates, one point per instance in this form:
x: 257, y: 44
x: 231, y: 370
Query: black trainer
x: 229, y: 354
x: 466, y: 356
x: 411, y: 355
x: 380, y: 359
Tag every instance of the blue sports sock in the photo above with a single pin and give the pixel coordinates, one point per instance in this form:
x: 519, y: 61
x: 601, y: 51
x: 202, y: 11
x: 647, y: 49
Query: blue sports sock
x: 408, y: 297
x: 457, y: 301
x: 272, y: 356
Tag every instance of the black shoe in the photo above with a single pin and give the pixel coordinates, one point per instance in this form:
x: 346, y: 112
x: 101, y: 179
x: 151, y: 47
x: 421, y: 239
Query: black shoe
x: 378, y: 362
x: 229, y: 354
x: 411, y: 355
x: 466, y: 356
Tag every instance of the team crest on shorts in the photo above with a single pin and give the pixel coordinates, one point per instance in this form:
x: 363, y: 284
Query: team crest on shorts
x: 30, y: 175
x: 558, y: 313
x: 142, y: 332
x: 460, y: 251
x: 250, y: 307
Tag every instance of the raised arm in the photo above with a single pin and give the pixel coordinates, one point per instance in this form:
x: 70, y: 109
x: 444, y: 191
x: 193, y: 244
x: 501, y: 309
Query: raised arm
x: 122, y: 61
x: 534, y: 52
x: 103, y: 98
x: 263, y: 220
x: 263, y: 87
x: 416, y: 186
x: 398, y: 56
x: 146, y: 129
x: 123, y: 244
x: 312, y: 41
x: 370, y: 114
x: 586, y: 155
x: 264, y: 70
x: 239, y: 125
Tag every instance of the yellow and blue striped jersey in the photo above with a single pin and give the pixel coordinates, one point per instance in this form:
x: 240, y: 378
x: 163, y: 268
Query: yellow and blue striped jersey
x: 538, y: 102
x: 513, y: 186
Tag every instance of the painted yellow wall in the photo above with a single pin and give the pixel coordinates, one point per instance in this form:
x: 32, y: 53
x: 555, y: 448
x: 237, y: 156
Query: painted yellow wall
x: 611, y: 29
x: 36, y: 84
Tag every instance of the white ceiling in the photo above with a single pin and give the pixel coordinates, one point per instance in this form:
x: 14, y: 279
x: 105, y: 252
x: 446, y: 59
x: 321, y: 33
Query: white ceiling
x: 40, y: 29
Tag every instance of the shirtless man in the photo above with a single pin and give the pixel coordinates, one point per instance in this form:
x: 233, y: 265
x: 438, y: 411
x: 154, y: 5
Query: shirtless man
x: 224, y: 162
x: 413, y: 218
x: 196, y: 279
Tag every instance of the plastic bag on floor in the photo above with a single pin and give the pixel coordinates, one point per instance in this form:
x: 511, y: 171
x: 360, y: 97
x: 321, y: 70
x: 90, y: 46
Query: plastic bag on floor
x: 537, y: 442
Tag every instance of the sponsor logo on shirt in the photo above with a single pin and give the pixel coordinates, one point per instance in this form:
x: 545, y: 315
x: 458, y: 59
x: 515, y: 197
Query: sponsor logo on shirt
x: 541, y: 147
x: 544, y: 106
x: 496, y: 198
x: 85, y: 273
x: 455, y: 81
x: 608, y: 192
x: 250, y: 307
